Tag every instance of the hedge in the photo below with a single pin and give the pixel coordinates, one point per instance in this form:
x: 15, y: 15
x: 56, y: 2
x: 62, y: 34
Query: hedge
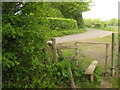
x: 23, y: 52
x: 61, y: 23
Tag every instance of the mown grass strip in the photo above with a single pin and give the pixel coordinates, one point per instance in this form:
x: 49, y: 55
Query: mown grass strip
x: 58, y: 33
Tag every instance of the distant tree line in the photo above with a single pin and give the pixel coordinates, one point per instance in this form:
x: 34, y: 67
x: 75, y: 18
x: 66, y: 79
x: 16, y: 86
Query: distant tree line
x: 98, y: 23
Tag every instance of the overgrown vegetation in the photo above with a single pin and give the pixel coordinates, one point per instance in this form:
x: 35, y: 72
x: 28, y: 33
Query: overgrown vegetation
x: 26, y: 30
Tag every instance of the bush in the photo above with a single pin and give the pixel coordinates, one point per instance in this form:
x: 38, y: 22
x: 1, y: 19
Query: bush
x: 23, y: 52
x: 61, y: 24
x: 98, y: 25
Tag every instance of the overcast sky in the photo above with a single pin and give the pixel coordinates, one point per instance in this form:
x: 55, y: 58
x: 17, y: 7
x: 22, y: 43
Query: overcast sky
x: 103, y: 10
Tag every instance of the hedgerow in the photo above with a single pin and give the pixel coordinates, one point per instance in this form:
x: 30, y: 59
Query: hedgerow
x: 61, y: 23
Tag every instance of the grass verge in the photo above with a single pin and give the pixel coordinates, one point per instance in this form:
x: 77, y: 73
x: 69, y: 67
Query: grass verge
x: 107, y: 28
x: 56, y: 33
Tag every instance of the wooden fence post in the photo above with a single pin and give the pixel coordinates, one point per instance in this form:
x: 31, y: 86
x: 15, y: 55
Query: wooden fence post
x: 77, y: 53
x: 106, y: 58
x: 71, y: 78
x: 54, y: 50
x: 119, y: 57
x: 113, y: 54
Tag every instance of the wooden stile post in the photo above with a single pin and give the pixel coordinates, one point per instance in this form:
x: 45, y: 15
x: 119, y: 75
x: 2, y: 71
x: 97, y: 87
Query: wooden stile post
x: 54, y: 50
x: 71, y: 78
x: 106, y: 57
x: 77, y: 53
x: 113, y: 54
x: 119, y: 56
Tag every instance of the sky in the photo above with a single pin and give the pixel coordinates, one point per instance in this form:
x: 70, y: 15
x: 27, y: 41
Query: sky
x: 103, y: 10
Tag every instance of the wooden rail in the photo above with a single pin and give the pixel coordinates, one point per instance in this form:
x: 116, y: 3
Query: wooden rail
x: 93, y: 43
x: 65, y: 47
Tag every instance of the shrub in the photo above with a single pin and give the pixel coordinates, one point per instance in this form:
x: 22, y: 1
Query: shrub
x: 98, y: 25
x: 61, y: 23
x: 23, y: 52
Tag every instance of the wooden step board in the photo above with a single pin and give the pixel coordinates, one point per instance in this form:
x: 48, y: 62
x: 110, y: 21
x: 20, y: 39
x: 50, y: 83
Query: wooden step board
x: 90, y: 70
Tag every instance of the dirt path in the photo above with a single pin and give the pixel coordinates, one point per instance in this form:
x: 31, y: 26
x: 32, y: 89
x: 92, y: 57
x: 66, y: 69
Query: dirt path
x: 91, y: 33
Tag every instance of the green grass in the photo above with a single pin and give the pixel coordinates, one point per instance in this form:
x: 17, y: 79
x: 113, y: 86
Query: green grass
x: 56, y: 33
x: 108, y: 28
x: 108, y: 39
x: 85, y: 61
x: 114, y: 82
x: 83, y: 82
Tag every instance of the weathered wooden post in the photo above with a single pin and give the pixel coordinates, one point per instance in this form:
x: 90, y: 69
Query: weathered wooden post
x: 77, y: 52
x: 113, y: 54
x: 119, y: 57
x: 54, y: 50
x: 71, y: 78
x: 106, y: 57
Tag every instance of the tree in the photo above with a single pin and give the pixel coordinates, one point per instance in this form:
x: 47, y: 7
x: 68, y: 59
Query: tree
x: 113, y: 21
x: 73, y: 10
x: 88, y: 22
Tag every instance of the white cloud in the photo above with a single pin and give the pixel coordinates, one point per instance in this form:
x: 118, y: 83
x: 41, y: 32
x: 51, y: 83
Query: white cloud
x: 103, y: 9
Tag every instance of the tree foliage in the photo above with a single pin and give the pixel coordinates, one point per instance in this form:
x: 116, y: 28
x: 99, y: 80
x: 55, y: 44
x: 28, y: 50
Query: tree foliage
x: 73, y: 10
x: 98, y: 23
